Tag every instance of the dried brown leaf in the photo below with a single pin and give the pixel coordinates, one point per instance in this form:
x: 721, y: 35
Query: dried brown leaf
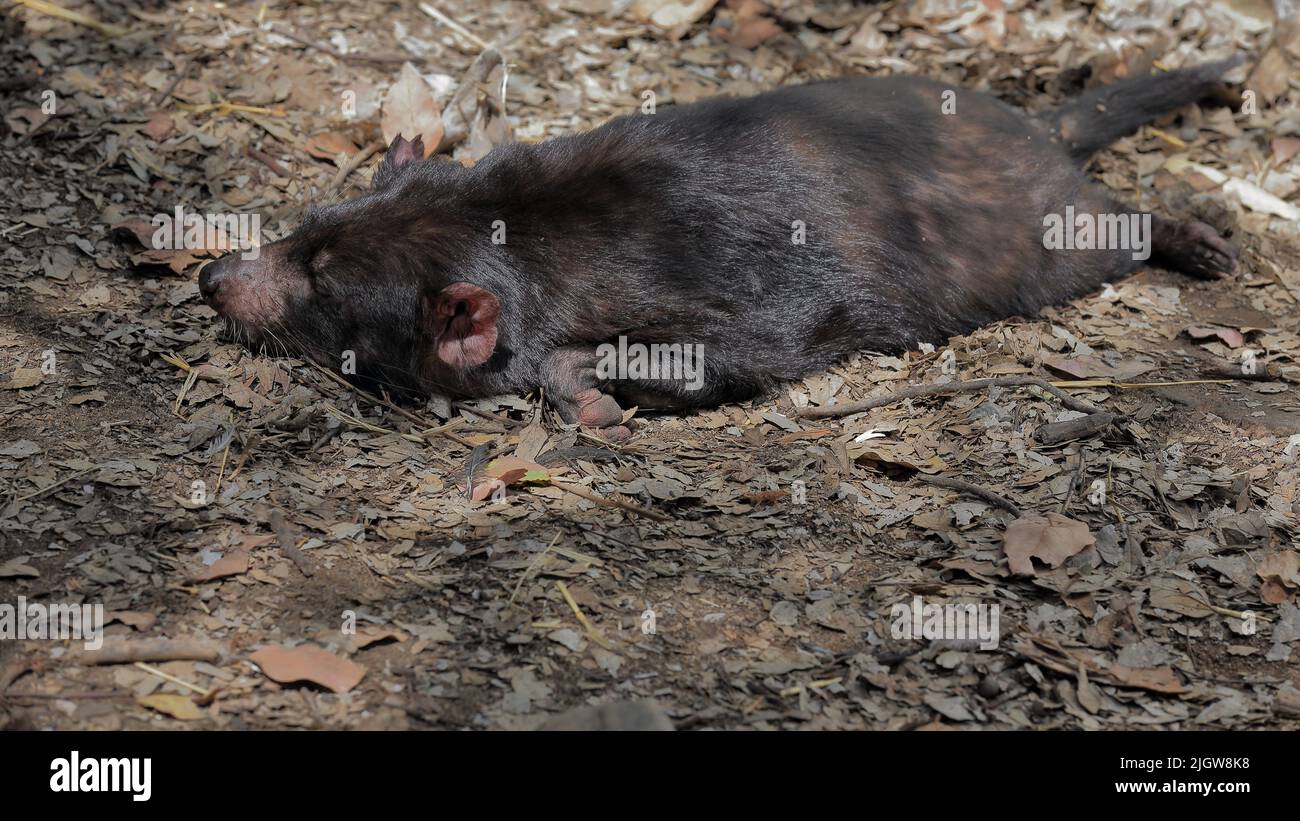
x: 308, y: 663
x: 410, y: 111
x: 176, y: 706
x: 1051, y: 539
x: 232, y: 564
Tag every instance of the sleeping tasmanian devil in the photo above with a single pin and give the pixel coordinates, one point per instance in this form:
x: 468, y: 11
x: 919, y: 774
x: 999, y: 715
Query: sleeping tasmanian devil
x: 750, y: 240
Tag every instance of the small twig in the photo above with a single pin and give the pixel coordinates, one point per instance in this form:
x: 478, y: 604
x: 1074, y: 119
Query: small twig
x: 454, y: 26
x: 191, y: 376
x: 1176, y: 142
x: 441, y: 430
x: 225, y: 108
x: 1075, y: 482
x: 14, y: 670
x: 74, y: 17
x: 1128, y: 386
x: 573, y: 454
x: 595, y: 634
x: 269, y: 161
x: 399, y: 410
x: 915, y: 391
x: 419, y: 582
x: 203, y: 691
x: 528, y: 570
x: 812, y: 685
x: 1236, y: 614
x: 180, y: 75
x: 495, y: 417
x: 221, y: 474
x: 353, y: 163
x: 364, y: 425
x: 133, y: 650
x: 60, y: 483
x: 18, y: 83
x: 243, y: 456
x: 973, y: 489
x: 289, y: 543
x: 64, y: 696
x: 394, y: 59
x: 1263, y: 373
x: 421, y: 438
x: 600, y: 500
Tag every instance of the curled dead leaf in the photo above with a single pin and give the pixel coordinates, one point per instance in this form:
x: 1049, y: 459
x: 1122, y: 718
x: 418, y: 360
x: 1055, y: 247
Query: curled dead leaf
x: 1051, y: 539
x: 476, y: 112
x: 88, y: 396
x: 744, y: 24
x: 410, y: 111
x: 1180, y: 596
x: 1284, y: 148
x: 670, y: 14
x: 1272, y: 592
x: 328, y: 145
x: 134, y: 619
x: 505, y: 471
x: 1229, y: 337
x: 176, y: 706
x: 1155, y: 679
x: 25, y: 120
x: 23, y: 378
x: 232, y: 564
x: 308, y: 663
x: 1282, y: 566
x: 160, y: 126
x: 15, y: 569
x: 1280, y: 575
x: 374, y: 634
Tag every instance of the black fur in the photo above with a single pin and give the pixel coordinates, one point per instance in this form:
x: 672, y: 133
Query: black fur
x: 677, y: 227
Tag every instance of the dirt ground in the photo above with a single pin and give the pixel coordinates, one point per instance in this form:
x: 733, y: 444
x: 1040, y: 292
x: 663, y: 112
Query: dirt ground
x: 739, y: 567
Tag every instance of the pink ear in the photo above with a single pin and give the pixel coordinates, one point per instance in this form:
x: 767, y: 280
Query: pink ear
x: 403, y: 151
x: 465, y: 325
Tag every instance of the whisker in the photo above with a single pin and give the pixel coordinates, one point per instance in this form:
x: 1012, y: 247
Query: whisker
x: 278, y: 340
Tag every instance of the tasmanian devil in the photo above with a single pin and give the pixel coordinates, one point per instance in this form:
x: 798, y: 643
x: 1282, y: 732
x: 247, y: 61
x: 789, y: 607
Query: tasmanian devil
x: 740, y: 241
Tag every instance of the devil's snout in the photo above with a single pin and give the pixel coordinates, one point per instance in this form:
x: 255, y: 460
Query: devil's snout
x: 253, y: 291
x: 212, y: 277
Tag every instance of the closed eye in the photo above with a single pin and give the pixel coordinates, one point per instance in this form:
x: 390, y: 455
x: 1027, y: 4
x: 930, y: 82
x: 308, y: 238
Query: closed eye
x: 317, y: 264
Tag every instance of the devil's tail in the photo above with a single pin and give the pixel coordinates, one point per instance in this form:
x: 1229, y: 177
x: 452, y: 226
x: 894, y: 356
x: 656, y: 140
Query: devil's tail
x: 1101, y: 116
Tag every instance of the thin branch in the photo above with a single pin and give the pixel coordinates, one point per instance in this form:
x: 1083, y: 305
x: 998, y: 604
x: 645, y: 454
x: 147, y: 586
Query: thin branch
x: 380, y: 59
x: 107, y: 29
x: 915, y: 391
x: 972, y: 489
x: 353, y: 163
x: 399, y: 410
x: 473, y: 38
x: 600, y: 500
x: 181, y: 71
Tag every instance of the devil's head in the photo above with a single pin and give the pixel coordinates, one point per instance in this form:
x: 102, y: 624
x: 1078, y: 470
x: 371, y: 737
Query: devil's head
x: 383, y: 282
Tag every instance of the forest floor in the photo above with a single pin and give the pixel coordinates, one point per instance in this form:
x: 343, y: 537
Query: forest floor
x: 252, y: 511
